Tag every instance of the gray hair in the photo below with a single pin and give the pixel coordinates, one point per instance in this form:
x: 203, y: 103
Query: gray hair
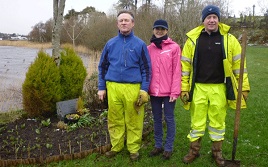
x: 127, y: 12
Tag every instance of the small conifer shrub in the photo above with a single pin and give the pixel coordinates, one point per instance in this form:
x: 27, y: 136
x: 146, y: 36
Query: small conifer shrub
x: 41, y: 88
x: 46, y: 84
x: 73, y: 74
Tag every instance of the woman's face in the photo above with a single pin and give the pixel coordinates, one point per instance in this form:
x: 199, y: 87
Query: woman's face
x: 159, y: 32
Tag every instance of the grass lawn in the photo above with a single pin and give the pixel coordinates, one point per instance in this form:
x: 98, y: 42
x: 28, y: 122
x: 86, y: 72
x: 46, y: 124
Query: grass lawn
x: 252, y: 138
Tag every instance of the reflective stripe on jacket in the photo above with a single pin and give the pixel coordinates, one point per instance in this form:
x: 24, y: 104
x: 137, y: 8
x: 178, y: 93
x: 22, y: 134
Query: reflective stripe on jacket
x: 232, y: 52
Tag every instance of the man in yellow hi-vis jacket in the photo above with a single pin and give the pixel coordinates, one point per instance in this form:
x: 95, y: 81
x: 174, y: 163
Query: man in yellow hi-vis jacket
x: 210, y: 71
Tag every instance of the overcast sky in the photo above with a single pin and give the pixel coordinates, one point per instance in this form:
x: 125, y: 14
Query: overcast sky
x: 19, y: 16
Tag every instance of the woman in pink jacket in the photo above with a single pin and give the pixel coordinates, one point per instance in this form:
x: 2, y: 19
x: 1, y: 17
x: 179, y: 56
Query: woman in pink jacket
x: 165, y: 86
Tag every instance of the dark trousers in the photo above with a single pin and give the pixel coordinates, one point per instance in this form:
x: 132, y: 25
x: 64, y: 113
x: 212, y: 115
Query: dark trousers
x: 156, y: 103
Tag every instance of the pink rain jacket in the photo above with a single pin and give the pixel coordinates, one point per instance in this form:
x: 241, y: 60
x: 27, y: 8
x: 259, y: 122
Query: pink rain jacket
x: 166, y: 69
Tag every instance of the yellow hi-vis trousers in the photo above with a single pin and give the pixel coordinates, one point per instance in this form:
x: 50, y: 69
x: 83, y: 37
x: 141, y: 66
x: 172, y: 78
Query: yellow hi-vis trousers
x: 123, y: 119
x: 209, y: 101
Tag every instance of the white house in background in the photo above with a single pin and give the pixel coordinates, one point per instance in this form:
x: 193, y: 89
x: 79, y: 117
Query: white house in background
x: 17, y: 38
x: 1, y: 39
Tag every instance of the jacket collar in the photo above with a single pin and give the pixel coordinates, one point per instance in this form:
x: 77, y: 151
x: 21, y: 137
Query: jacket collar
x: 126, y: 36
x: 195, y: 33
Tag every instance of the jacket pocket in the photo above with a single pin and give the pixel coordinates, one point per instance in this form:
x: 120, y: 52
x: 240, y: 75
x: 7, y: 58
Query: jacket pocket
x: 229, y: 89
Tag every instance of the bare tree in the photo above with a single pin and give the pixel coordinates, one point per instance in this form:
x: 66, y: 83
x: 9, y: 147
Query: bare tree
x: 76, y: 22
x: 48, y: 30
x: 263, y: 4
x: 126, y: 4
x: 58, y: 10
x: 37, y: 33
x: 73, y: 20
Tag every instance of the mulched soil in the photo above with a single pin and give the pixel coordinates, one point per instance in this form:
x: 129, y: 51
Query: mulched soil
x: 21, y: 139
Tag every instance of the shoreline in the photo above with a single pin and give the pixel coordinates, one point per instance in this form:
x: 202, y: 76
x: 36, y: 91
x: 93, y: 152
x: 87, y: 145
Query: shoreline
x: 27, y: 44
x: 47, y: 45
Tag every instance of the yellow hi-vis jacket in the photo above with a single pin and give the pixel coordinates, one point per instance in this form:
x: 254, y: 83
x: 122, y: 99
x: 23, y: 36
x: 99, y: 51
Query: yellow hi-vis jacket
x: 231, y: 61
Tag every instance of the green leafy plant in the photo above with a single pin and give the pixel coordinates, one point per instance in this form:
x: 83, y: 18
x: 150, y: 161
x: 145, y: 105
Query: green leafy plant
x: 72, y: 127
x: 38, y: 131
x: 46, y: 123
x: 49, y: 146
x: 2, y: 128
x: 22, y: 126
x: 103, y: 116
x: 84, y: 121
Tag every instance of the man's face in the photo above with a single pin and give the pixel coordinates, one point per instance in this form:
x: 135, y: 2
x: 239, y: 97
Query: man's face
x: 211, y: 23
x: 125, y: 23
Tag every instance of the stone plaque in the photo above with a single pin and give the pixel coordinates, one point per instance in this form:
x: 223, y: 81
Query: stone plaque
x: 66, y: 107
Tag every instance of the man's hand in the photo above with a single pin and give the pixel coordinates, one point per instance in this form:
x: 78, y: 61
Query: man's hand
x: 245, y: 95
x: 102, y: 94
x: 184, y: 97
x: 143, y: 98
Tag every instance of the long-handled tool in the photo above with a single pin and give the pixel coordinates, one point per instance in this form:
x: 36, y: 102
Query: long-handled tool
x: 233, y: 162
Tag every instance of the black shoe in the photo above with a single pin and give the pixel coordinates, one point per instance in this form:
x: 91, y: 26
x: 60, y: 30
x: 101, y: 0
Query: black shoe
x: 110, y: 154
x: 156, y: 151
x: 167, y: 155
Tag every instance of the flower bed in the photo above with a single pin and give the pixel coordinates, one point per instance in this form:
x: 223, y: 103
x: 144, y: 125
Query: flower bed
x: 30, y: 141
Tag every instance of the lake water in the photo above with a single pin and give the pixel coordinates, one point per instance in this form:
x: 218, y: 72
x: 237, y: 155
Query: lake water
x: 14, y: 63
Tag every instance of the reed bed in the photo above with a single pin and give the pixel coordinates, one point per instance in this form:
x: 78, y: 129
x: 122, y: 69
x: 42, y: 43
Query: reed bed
x: 25, y: 44
x: 29, y: 44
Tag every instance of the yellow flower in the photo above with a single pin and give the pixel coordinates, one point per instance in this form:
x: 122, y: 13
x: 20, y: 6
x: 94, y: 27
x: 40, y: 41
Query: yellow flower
x: 72, y: 116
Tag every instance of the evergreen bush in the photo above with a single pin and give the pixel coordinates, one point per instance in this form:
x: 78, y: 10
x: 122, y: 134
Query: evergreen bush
x: 73, y: 74
x: 41, y: 88
x: 46, y: 84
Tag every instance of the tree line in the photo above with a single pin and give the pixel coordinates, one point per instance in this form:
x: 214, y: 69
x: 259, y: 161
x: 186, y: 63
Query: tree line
x: 92, y: 28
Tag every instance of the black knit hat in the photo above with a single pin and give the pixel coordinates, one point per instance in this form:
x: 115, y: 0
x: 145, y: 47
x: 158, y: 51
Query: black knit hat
x: 161, y: 23
x: 210, y: 9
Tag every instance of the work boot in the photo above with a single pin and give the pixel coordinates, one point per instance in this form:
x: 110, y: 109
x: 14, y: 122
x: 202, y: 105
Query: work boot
x: 217, y: 153
x: 193, y: 152
x: 134, y: 156
x: 156, y: 151
x: 110, y: 154
x: 166, y: 155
